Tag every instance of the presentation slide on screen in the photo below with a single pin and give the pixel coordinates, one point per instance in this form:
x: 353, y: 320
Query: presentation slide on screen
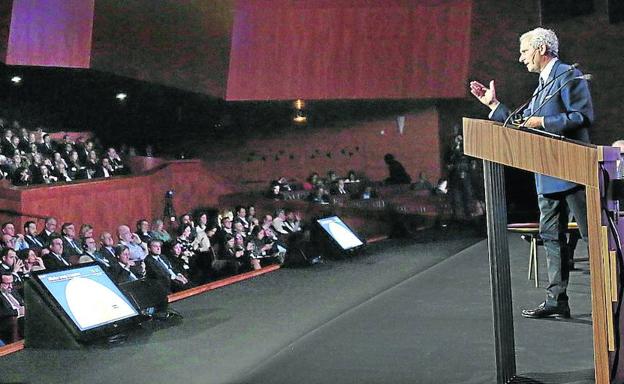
x: 88, y: 296
x: 339, y: 231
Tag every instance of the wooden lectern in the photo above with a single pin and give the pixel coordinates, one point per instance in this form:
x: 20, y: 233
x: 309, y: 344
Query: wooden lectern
x: 577, y: 162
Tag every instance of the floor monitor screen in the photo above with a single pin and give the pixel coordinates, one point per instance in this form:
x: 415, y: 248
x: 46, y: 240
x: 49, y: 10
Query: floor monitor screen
x: 340, y: 232
x: 88, y: 296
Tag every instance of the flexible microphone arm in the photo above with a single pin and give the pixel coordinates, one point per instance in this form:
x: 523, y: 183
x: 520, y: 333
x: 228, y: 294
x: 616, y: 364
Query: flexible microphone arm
x: 586, y: 77
x: 515, y: 111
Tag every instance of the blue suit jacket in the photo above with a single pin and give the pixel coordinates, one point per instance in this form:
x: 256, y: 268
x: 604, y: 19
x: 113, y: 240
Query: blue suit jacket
x: 570, y: 113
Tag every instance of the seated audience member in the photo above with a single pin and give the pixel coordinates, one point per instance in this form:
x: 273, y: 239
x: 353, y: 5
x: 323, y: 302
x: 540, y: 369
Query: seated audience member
x: 183, y: 259
x: 86, y: 232
x: 124, y: 273
x: 143, y: 230
x: 54, y: 259
x: 104, y: 169
x: 251, y: 213
x: 339, y: 188
x: 61, y: 172
x: 186, y: 220
x: 202, y: 239
x: 332, y: 177
x: 119, y: 168
x: 202, y: 222
x: 241, y: 216
x: 318, y: 196
x: 253, y: 224
x: 278, y: 222
x: 137, y: 249
x: 233, y: 259
x: 311, y: 182
x: 10, y: 263
x: 293, y: 221
x: 92, y: 161
x: 66, y: 150
x: 225, y: 230
x: 75, y: 169
x: 107, y: 252
x: 158, y: 231
x: 17, y: 240
x: 397, y: 174
x: 7, y: 145
x: 47, y: 147
x: 49, y: 231
x: 32, y: 262
x: 263, y: 250
x: 11, y: 305
x: 5, y: 168
x: 238, y: 229
x: 159, y: 268
x: 72, y: 250
x: 21, y: 177
x: 275, y: 193
x: 89, y: 250
x: 31, y: 236
x: 44, y: 176
x: 283, y: 184
x: 188, y: 257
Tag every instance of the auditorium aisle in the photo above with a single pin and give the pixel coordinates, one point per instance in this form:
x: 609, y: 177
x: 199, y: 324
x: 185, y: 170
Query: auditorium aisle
x: 404, y: 312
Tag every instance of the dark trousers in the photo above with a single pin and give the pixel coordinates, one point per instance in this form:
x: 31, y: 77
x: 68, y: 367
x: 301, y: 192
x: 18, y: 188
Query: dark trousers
x: 554, y: 210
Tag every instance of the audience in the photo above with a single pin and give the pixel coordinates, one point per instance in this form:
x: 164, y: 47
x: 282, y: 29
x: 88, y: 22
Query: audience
x: 32, y: 157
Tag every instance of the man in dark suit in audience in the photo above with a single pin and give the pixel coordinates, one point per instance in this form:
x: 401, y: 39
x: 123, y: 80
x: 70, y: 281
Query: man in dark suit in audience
x: 72, y: 250
x: 160, y: 268
x: 49, y: 231
x: 54, y: 259
x: 31, y: 235
x: 11, y: 303
x: 47, y: 147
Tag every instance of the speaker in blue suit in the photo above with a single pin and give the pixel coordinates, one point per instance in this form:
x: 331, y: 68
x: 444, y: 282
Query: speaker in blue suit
x: 561, y: 105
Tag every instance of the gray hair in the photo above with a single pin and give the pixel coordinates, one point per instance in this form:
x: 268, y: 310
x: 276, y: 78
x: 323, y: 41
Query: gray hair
x: 540, y: 36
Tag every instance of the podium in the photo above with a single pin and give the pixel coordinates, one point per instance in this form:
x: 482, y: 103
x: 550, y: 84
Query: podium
x: 578, y: 162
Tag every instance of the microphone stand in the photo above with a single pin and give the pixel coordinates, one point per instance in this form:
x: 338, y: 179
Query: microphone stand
x: 515, y: 111
x: 550, y: 97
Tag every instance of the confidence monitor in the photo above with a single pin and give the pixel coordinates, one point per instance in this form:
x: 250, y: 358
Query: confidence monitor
x: 340, y: 234
x: 75, y: 306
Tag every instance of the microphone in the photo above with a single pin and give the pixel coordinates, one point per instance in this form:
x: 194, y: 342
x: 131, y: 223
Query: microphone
x: 586, y: 77
x: 523, y: 105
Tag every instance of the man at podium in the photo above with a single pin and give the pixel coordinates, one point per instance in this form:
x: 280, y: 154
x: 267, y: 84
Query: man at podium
x: 561, y: 104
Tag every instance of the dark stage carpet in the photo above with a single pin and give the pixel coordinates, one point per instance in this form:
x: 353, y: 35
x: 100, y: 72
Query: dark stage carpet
x: 416, y: 311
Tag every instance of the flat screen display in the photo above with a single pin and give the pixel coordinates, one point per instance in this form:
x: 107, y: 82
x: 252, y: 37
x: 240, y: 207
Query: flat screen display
x: 88, y: 296
x: 340, y: 232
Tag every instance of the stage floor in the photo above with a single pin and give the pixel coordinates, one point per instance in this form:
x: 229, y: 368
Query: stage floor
x: 416, y: 311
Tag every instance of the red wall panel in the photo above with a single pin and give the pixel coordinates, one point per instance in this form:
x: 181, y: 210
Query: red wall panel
x: 107, y: 203
x: 418, y: 148
x: 51, y: 33
x: 349, y: 49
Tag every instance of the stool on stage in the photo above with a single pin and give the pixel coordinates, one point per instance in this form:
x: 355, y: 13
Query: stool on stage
x: 530, y: 233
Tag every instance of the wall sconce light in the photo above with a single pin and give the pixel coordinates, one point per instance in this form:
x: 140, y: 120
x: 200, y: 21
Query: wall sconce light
x: 400, y: 123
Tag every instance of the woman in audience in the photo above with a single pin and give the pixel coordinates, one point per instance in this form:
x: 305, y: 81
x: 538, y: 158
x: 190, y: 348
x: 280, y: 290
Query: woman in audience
x: 183, y: 259
x: 21, y: 177
x: 159, y: 232
x: 311, y: 182
x: 32, y: 262
x: 86, y: 232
